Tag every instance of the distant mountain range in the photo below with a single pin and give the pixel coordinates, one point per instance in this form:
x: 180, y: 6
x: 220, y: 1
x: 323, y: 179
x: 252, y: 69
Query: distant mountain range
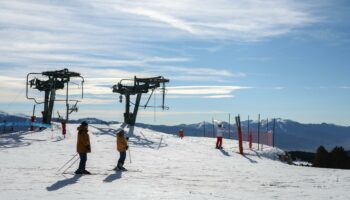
x: 290, y: 135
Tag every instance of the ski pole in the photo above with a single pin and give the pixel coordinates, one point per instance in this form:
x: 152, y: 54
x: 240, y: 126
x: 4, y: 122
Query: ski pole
x: 67, y: 162
x: 129, y: 155
x: 70, y: 165
x: 160, y: 142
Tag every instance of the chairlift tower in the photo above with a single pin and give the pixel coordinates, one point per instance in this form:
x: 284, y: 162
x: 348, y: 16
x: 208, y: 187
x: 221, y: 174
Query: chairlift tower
x: 50, y: 82
x: 137, y: 86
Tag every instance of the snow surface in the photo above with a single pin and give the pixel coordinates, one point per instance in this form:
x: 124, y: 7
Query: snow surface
x: 162, y: 167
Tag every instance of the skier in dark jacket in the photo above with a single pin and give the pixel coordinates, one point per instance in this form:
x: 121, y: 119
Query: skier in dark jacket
x: 122, y: 146
x: 83, y: 147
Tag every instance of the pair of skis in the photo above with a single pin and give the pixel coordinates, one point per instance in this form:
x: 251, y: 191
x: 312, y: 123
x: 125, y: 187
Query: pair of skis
x: 106, y: 173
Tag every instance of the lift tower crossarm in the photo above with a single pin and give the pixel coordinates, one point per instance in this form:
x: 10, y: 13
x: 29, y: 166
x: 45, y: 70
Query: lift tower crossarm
x: 137, y: 86
x: 54, y: 80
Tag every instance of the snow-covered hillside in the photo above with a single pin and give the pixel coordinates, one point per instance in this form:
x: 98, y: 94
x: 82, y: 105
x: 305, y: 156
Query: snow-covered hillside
x: 162, y: 167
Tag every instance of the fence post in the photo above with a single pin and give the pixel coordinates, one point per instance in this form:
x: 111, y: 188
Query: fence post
x: 248, y: 128
x: 204, y: 129
x: 250, y: 140
x: 259, y: 132
x: 273, y: 136
x: 212, y: 119
x: 238, y: 124
x: 229, y: 126
x: 266, y: 134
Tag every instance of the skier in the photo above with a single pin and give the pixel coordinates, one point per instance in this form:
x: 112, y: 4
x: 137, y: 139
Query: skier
x: 83, y: 147
x: 42, y: 114
x: 32, y: 119
x: 122, y: 146
x: 181, y: 133
x: 63, y: 123
x: 219, y: 134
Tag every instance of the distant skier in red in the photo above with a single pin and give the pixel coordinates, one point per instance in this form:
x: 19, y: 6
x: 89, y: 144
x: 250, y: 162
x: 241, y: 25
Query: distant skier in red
x: 64, y: 131
x: 32, y: 119
x: 219, y: 134
x: 63, y: 124
x: 181, y: 133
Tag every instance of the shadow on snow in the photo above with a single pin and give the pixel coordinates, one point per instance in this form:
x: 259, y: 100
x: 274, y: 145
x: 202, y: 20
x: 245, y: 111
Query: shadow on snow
x: 62, y: 183
x: 134, y: 139
x: 250, y: 160
x: 13, y: 140
x: 112, y: 177
x: 224, y: 152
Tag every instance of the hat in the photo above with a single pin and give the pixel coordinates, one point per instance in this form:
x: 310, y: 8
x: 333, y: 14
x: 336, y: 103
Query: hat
x: 84, y: 123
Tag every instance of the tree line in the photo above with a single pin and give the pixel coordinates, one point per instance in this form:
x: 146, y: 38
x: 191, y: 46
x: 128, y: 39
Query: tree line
x: 337, y: 158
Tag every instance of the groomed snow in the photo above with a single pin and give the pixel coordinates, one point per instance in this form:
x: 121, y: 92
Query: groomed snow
x: 163, y: 167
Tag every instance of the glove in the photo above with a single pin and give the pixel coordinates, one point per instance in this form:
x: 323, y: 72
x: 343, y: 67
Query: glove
x: 127, y: 147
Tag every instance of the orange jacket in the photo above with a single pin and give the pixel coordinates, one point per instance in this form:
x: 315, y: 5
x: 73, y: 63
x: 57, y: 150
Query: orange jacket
x: 83, y: 142
x: 121, y: 142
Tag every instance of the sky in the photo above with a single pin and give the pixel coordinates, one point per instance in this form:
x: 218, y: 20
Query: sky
x: 277, y: 58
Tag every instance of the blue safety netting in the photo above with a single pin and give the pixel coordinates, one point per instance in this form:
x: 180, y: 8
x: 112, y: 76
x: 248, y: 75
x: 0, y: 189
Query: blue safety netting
x: 26, y: 123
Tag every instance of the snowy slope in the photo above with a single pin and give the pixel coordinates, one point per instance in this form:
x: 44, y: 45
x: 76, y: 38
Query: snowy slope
x: 163, y: 167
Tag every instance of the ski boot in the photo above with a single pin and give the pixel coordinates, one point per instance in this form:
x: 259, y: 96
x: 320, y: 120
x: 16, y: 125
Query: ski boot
x: 122, y: 169
x: 78, y: 172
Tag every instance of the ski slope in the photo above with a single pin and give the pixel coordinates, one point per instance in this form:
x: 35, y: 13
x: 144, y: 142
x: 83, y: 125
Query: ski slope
x: 162, y: 167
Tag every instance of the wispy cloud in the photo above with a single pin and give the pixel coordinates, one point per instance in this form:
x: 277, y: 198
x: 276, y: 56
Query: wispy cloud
x: 110, y: 40
x: 243, y: 20
x: 213, y: 91
x: 93, y: 28
x: 218, y: 96
x: 158, y: 16
x: 12, y: 82
x: 119, y: 33
x: 279, y: 88
x: 326, y: 87
x: 115, y: 114
x: 172, y: 113
x: 199, y: 71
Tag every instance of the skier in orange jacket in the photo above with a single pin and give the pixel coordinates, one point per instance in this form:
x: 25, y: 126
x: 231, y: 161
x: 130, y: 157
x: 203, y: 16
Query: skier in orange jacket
x: 122, y: 146
x: 83, y: 147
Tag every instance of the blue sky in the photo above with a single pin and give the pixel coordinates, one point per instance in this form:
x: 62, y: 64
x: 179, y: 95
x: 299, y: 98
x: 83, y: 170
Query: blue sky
x: 287, y: 59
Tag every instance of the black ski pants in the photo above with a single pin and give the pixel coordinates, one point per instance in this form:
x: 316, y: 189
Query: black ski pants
x: 83, y: 159
x: 121, y: 158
